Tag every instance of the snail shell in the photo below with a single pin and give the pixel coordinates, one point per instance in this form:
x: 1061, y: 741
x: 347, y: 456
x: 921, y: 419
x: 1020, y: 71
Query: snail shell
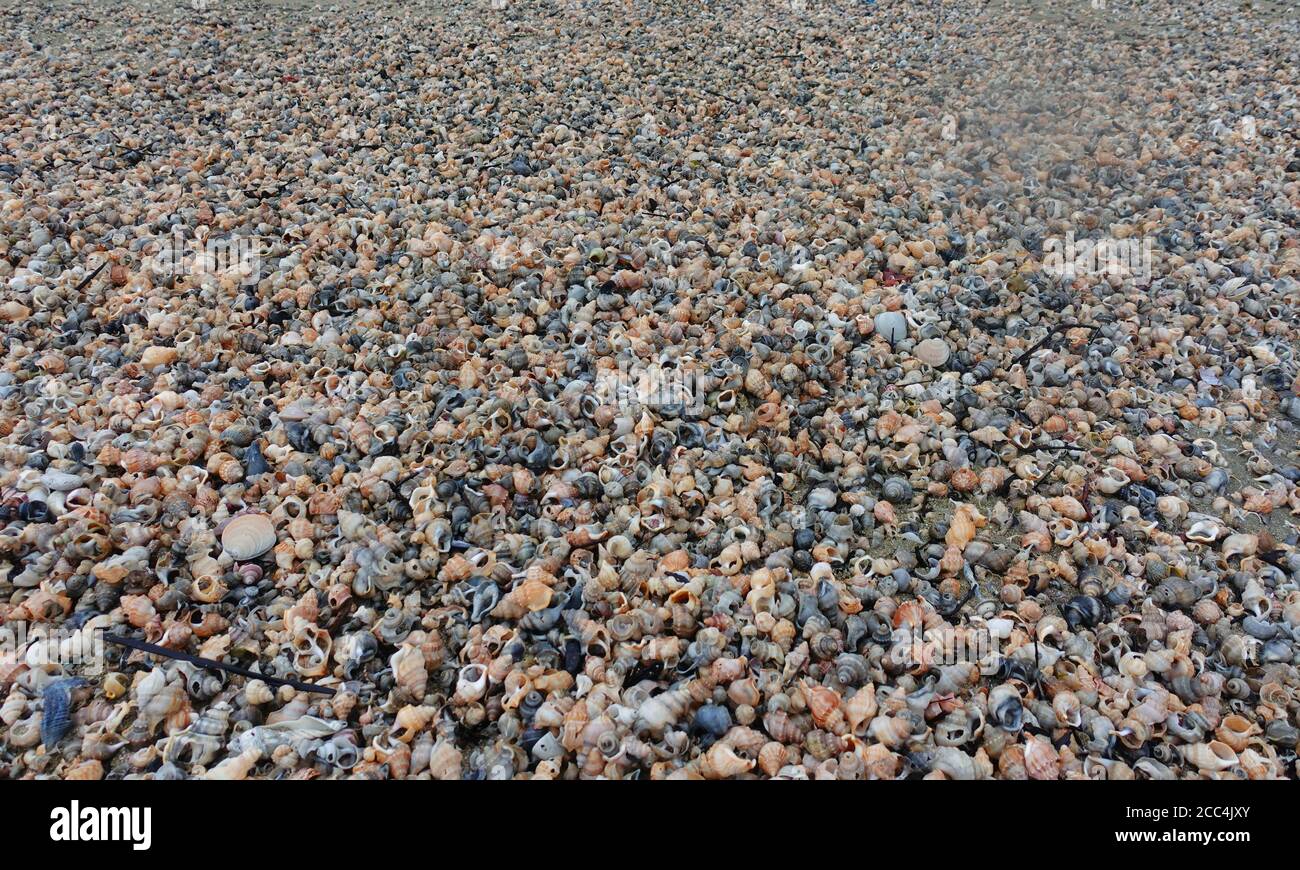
x: 897, y: 490
x: 409, y: 672
x: 722, y: 762
x: 1212, y: 756
x: 160, y: 699
x: 1041, y: 759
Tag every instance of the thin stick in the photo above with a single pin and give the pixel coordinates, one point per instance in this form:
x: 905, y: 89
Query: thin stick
x: 90, y: 277
x: 1060, y: 327
x: 211, y: 663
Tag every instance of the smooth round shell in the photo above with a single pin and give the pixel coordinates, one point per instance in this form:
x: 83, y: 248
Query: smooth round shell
x: 892, y: 326
x: 248, y: 536
x: 933, y: 352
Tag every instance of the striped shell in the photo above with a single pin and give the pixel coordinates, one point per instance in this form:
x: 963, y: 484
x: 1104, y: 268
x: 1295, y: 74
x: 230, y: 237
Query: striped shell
x: 56, y: 717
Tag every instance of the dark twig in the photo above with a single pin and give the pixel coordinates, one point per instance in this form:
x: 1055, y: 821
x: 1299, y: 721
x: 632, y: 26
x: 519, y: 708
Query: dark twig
x: 731, y: 100
x: 1068, y: 447
x: 210, y: 663
x: 90, y: 277
x: 1038, y: 345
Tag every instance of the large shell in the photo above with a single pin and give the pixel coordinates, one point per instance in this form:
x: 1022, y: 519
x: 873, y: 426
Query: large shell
x: 248, y: 536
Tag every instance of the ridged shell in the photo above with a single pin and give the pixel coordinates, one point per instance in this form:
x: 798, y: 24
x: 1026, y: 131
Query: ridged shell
x: 56, y: 718
x: 248, y: 536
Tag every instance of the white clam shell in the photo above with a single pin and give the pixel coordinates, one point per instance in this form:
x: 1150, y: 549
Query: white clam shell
x: 892, y: 326
x: 933, y: 352
x: 248, y: 536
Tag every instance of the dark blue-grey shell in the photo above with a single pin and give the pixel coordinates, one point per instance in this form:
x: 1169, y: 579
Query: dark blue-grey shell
x: 57, y: 702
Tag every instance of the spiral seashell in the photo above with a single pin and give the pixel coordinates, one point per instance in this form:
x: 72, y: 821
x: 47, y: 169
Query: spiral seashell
x: 409, y: 672
x: 236, y: 767
x: 661, y: 711
x: 1211, y: 757
x: 1112, y: 480
x: 772, y: 757
x: 722, y: 762
x: 784, y: 728
x: 203, y: 739
x: 161, y: 700
x: 850, y: 670
x: 1005, y: 708
x: 824, y: 705
x: 57, y: 701
x: 1237, y: 732
x: 138, y: 610
x: 860, y: 709
x: 258, y: 693
x: 15, y: 704
x: 1041, y: 759
x: 1239, y: 545
x: 897, y: 490
x: 955, y: 764
x: 890, y: 731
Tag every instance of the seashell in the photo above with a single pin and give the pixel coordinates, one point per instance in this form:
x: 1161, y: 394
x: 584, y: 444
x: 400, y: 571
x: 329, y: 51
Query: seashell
x: 1212, y: 756
x: 861, y: 708
x: 86, y: 770
x: 954, y: 764
x: 57, y: 699
x: 772, y: 757
x: 471, y: 684
x: 409, y: 673
x: 15, y: 704
x: 891, y: 326
x: 659, y: 712
x: 1111, y: 480
x: 933, y: 352
x: 258, y: 692
x: 722, y: 762
x: 896, y: 490
x: 962, y: 529
x: 823, y: 704
x: 235, y: 767
x: 533, y: 595
x: 1005, y: 708
x: 1239, y: 545
x: 161, y: 700
x: 248, y: 536
x: 1237, y: 732
x: 1041, y: 758
x: 201, y: 742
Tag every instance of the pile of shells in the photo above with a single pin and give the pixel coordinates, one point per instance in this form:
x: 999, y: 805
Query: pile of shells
x: 922, y: 507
